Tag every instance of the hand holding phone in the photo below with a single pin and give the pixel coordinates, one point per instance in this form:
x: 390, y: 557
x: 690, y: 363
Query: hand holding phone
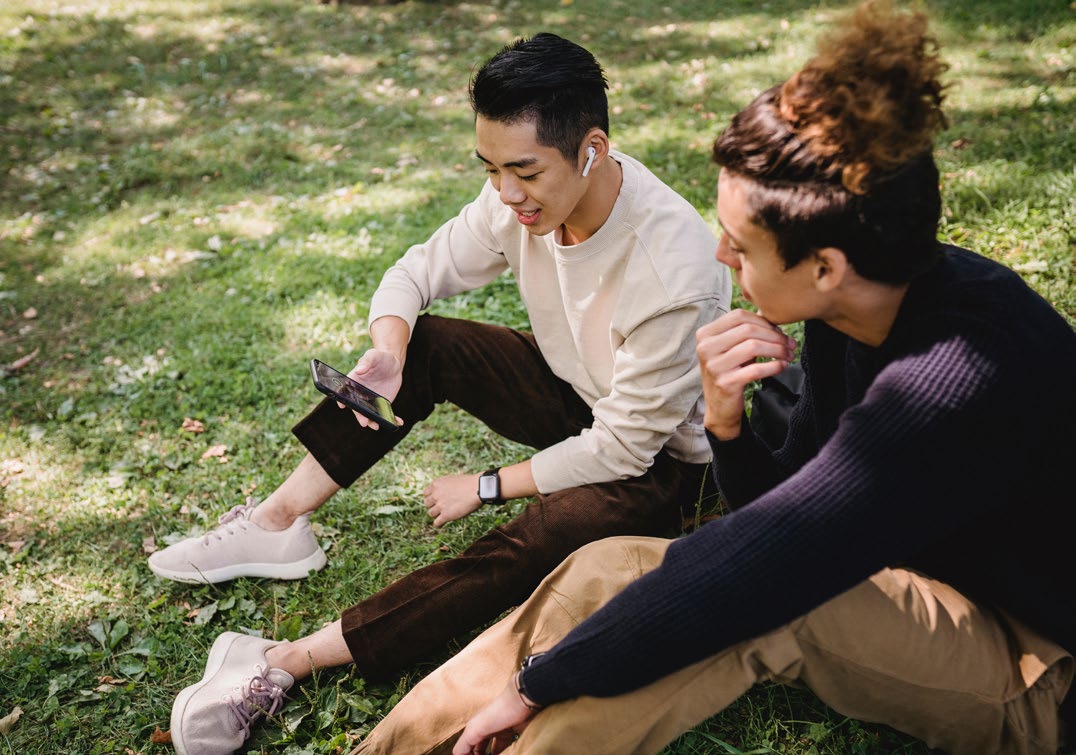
x: 353, y: 394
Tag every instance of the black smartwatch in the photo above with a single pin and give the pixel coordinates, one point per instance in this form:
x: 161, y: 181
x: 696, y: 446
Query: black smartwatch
x: 489, y: 487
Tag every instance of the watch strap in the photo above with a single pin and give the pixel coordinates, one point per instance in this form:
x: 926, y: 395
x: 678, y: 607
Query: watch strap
x: 521, y: 690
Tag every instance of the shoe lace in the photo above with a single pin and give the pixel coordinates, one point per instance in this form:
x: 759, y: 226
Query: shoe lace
x: 260, y: 696
x: 235, y: 518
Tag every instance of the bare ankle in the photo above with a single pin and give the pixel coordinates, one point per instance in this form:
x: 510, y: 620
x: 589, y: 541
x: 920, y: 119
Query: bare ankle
x: 270, y: 517
x: 287, y: 658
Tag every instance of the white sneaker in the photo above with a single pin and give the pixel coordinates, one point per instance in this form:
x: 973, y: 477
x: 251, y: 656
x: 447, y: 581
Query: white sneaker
x: 238, y: 547
x: 213, y: 717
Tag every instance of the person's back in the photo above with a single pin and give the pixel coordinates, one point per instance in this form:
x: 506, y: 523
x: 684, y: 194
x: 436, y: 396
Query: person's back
x: 1014, y: 549
x: 987, y: 482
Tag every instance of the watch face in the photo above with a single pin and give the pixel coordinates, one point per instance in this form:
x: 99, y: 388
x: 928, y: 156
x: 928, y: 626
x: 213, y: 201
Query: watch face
x: 488, y: 487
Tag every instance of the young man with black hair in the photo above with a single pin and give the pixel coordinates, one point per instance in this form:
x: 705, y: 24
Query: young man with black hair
x: 615, y: 271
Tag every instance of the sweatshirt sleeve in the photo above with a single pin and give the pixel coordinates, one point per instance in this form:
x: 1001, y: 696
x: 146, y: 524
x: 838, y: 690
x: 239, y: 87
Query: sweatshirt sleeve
x: 888, y: 482
x: 655, y: 386
x: 463, y: 254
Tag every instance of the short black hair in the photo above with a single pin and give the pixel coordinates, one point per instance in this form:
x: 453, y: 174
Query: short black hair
x: 558, y: 83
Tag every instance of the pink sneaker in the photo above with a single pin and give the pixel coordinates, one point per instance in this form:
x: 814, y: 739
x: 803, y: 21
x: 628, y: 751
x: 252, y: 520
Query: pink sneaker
x: 238, y: 547
x: 214, y: 716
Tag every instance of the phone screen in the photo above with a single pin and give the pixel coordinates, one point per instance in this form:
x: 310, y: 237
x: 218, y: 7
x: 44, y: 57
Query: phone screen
x: 355, y: 395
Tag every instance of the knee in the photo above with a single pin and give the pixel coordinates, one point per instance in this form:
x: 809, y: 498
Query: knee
x: 438, y: 344
x: 430, y: 358
x: 426, y: 323
x: 627, y: 556
x: 427, y: 332
x: 593, y: 556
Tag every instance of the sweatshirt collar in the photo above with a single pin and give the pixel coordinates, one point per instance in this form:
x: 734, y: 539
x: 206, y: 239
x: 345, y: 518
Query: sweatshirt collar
x: 610, y: 229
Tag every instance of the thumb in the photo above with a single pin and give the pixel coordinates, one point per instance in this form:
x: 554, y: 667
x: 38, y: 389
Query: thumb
x: 363, y: 365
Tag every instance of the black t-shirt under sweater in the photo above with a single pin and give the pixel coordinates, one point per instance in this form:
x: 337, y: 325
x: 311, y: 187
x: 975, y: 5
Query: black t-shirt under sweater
x: 950, y: 449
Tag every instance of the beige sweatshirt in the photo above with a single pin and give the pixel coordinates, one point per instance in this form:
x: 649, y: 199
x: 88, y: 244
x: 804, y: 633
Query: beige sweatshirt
x: 615, y: 316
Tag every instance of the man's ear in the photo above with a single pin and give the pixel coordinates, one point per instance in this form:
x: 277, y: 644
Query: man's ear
x: 831, y: 268
x: 599, y: 141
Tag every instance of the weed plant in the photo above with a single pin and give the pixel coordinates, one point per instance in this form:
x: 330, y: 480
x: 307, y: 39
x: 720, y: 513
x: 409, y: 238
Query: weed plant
x: 198, y: 197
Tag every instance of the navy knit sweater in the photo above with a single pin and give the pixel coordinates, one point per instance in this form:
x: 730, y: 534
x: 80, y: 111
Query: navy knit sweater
x: 950, y: 449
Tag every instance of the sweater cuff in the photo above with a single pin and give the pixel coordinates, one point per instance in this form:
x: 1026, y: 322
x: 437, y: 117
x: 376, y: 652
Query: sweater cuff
x: 387, y: 303
x: 744, y: 443
x: 734, y: 461
x: 543, y: 682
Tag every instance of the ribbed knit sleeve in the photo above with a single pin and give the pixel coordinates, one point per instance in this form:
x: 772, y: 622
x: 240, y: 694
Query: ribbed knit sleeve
x: 858, y: 505
x: 745, y: 467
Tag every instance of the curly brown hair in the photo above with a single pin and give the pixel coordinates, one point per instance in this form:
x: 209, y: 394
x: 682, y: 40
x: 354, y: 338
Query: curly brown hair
x: 841, y: 152
x: 871, y: 100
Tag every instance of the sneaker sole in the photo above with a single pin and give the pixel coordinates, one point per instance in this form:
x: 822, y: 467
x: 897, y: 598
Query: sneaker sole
x: 294, y: 570
x: 217, y: 653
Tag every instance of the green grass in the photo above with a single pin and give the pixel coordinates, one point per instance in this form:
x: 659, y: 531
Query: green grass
x: 197, y: 197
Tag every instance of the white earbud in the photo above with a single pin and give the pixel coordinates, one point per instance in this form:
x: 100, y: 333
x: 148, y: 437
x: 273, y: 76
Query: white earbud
x: 591, y: 153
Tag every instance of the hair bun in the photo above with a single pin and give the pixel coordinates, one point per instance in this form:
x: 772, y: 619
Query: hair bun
x: 871, y: 99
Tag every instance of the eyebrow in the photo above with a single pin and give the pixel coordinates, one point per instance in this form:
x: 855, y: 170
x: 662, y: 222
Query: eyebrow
x: 524, y: 162
x: 725, y: 231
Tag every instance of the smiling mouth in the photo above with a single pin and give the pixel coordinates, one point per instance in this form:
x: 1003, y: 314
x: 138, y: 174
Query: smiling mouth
x: 527, y: 217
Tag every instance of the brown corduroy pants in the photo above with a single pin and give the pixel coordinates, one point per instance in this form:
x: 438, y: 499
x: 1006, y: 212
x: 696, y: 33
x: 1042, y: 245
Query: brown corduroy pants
x: 497, y: 375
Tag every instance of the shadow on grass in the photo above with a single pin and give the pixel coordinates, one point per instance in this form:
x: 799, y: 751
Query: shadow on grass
x: 110, y: 113
x: 126, y: 135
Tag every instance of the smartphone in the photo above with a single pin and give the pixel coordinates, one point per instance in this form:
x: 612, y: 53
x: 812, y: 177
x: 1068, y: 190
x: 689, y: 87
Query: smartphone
x: 339, y: 386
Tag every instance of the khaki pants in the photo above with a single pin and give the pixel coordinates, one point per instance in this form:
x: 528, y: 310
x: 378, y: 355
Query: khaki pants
x: 899, y: 649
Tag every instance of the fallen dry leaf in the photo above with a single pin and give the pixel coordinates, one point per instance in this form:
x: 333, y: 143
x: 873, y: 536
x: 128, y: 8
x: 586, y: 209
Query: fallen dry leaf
x: 159, y: 737
x: 21, y: 362
x: 29, y: 314
x: 60, y: 583
x: 9, y: 720
x: 218, y: 450
x: 149, y: 544
x: 192, y: 425
x: 15, y: 545
x: 9, y: 470
x: 111, y: 680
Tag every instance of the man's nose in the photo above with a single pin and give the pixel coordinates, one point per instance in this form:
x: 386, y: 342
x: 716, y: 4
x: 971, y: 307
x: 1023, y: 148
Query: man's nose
x: 512, y: 191
x: 724, y: 256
